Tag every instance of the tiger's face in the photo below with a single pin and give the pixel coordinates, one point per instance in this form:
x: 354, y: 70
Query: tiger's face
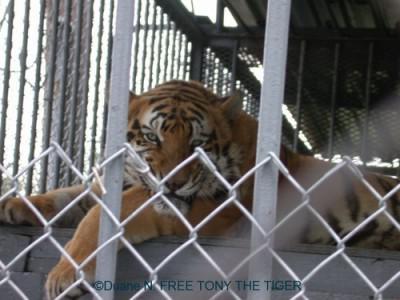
x: 166, y: 125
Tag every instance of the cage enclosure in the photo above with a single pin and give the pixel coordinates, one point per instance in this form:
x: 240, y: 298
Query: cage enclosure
x: 341, y: 104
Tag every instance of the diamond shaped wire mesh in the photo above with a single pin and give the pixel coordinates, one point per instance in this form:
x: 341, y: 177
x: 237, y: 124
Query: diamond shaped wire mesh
x: 351, y: 90
x: 192, y: 236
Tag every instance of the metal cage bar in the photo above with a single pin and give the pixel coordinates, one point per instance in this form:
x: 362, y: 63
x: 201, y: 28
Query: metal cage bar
x: 75, y: 85
x: 22, y: 82
x: 61, y: 105
x: 6, y: 83
x: 35, y: 109
x: 49, y: 97
x: 97, y: 87
x: 333, y: 98
x: 116, y: 135
x: 269, y: 137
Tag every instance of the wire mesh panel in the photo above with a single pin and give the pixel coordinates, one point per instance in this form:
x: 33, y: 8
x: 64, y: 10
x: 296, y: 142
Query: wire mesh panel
x: 342, y: 205
x: 342, y: 114
x: 222, y: 66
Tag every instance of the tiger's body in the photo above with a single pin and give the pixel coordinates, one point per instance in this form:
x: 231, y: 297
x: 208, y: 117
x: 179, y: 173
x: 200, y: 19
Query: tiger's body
x: 166, y: 124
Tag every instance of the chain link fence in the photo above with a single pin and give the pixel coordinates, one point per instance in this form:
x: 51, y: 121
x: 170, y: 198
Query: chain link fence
x: 152, y: 28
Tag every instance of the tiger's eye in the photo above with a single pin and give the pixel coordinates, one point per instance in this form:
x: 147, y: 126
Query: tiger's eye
x: 151, y: 137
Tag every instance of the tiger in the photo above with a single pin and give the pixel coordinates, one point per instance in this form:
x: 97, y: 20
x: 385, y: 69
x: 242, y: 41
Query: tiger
x: 166, y: 125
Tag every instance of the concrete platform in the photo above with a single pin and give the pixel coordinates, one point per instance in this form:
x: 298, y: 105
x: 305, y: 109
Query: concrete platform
x: 190, y: 276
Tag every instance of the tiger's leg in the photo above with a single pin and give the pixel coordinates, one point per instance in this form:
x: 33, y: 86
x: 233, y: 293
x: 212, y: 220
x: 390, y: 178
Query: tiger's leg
x: 148, y: 224
x: 15, y: 211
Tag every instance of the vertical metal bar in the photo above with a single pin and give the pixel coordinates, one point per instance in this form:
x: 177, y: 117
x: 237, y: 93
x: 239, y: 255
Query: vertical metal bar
x: 136, y: 48
x: 367, y: 100
x: 167, y: 47
x: 269, y: 137
x: 172, y: 62
x: 345, y: 13
x: 22, y: 81
x: 6, y: 82
x: 380, y: 19
x: 96, y: 86
x: 315, y: 13
x: 75, y: 86
x: 85, y: 89
x: 299, y: 93
x: 108, y: 74
x: 196, y: 60
x: 212, y: 69
x: 333, y: 98
x: 152, y: 50
x: 219, y: 77
x: 35, y: 108
x: 220, y: 16
x: 49, y: 95
x: 178, y: 55
x: 185, y: 57
x: 159, y: 46
x: 63, y: 86
x: 234, y: 65
x: 331, y: 13
x: 144, y: 42
x: 116, y: 133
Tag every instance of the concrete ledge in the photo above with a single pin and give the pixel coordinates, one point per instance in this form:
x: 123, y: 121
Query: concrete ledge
x: 337, y: 280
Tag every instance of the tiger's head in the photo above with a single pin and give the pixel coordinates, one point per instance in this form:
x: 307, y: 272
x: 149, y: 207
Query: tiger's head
x: 165, y: 126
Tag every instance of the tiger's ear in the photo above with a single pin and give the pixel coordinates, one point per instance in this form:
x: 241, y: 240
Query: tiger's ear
x: 132, y: 96
x: 231, y: 106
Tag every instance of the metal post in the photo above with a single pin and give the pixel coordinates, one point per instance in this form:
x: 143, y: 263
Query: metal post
x: 85, y: 87
x: 333, y: 99
x: 58, y: 121
x: 299, y: 93
x: 159, y: 44
x: 145, y: 45
x: 75, y: 84
x: 168, y: 50
x: 172, y: 51
x: 49, y: 91
x: 23, y: 56
x: 39, y: 50
x: 116, y: 131
x: 152, y: 49
x: 136, y: 48
x: 235, y: 51
x: 6, y: 82
x: 368, y: 75
x: 269, y: 137
x: 108, y: 75
x: 196, y: 60
x: 220, y: 15
x: 97, y: 86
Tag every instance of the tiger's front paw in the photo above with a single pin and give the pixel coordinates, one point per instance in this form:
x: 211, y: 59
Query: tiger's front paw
x: 62, y: 277
x: 15, y: 211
